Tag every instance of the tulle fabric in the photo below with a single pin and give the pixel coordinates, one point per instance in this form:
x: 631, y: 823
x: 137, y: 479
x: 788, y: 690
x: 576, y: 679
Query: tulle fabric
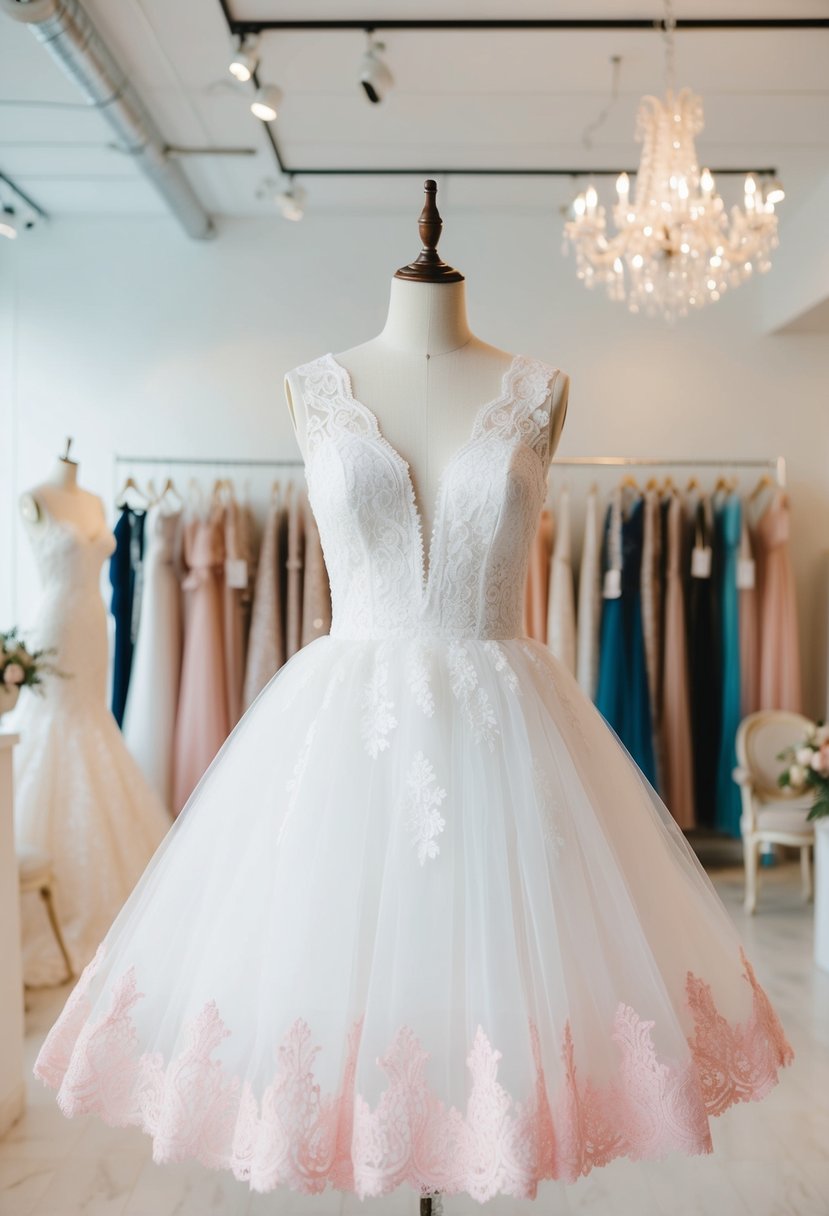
x: 423, y: 925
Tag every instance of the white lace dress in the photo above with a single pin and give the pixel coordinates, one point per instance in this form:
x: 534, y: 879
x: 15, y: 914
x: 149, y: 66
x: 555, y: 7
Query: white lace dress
x: 422, y: 926
x: 79, y: 796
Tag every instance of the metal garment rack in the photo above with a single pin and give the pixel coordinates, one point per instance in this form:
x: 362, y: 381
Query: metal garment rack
x: 775, y: 464
x: 209, y: 463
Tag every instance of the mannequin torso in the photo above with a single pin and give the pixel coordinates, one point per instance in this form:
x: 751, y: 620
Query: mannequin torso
x: 60, y: 497
x: 426, y: 377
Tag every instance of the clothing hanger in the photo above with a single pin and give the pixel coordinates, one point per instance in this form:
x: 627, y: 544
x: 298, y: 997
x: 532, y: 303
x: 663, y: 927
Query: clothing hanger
x: 169, y: 488
x: 693, y: 484
x: 130, y: 485
x: 765, y: 481
x: 629, y: 482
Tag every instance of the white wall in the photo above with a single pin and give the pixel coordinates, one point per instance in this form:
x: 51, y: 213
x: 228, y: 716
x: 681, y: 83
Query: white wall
x: 134, y: 339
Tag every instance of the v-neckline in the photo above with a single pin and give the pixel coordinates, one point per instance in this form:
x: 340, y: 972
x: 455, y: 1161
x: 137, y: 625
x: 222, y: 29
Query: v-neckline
x: 426, y: 560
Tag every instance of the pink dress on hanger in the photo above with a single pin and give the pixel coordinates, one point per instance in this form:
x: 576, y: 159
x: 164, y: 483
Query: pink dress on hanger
x: 779, y: 637
x: 202, y: 722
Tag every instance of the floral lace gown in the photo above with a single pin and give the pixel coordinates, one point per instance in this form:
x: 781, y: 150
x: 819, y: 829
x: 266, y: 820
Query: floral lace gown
x: 422, y: 924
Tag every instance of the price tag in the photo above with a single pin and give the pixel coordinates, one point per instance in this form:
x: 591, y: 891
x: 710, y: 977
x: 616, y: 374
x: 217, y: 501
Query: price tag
x: 612, y: 588
x: 746, y: 576
x: 236, y: 573
x: 701, y: 561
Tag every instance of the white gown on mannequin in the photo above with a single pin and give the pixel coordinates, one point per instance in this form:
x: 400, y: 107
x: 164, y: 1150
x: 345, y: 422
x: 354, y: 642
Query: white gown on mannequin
x: 79, y: 795
x: 423, y: 923
x: 152, y: 700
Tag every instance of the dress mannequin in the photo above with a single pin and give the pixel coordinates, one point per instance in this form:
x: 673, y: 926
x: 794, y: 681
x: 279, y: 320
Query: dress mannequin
x: 426, y: 375
x: 60, y: 497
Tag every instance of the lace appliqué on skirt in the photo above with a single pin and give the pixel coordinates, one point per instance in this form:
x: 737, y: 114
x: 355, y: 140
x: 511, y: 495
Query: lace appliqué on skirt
x: 297, y: 1136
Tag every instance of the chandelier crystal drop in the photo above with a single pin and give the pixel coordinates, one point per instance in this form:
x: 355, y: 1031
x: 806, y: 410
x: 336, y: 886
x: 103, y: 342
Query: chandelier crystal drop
x: 675, y: 247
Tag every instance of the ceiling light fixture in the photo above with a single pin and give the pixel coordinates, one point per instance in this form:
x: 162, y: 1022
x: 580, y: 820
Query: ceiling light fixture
x: 291, y: 202
x: 375, y: 75
x: 244, y: 62
x: 266, y: 103
x: 774, y: 192
x: 675, y: 247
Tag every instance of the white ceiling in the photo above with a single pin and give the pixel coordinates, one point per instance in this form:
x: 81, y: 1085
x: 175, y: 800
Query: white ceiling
x: 461, y: 99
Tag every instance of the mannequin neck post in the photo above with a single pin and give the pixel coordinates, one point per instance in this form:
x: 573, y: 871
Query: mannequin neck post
x: 427, y: 318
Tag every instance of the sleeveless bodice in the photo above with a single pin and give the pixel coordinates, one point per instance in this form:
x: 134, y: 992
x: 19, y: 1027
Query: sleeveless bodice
x: 71, y: 619
x: 384, y: 581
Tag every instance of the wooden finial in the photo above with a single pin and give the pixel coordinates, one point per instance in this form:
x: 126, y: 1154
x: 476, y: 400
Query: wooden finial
x: 427, y: 266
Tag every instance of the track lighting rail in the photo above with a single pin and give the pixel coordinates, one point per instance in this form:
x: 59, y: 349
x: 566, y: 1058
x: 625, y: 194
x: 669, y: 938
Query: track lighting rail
x: 248, y: 28
x: 528, y: 23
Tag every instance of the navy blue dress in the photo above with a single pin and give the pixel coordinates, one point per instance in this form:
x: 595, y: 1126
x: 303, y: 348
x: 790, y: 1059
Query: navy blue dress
x: 124, y: 567
x: 622, y: 694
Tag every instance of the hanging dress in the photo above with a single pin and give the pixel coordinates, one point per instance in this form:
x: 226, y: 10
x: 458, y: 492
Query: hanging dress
x: 779, y: 636
x: 266, y: 645
x: 152, y: 701
x: 622, y: 695
x: 561, y: 619
x: 423, y: 927
x: 125, y: 577
x: 294, y: 568
x: 316, y: 593
x: 675, y: 726
x: 202, y: 723
x: 590, y: 602
x: 728, y: 530
x: 703, y: 659
x: 749, y: 622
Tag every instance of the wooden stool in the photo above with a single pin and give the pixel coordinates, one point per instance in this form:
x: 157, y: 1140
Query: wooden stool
x: 35, y: 871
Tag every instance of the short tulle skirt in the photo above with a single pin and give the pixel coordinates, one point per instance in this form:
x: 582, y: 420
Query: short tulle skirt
x: 424, y: 925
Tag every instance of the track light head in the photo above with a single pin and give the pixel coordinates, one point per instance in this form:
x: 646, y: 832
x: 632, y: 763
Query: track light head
x: 244, y: 62
x: 9, y: 224
x: 291, y: 202
x: 774, y: 191
x: 266, y: 103
x: 375, y: 76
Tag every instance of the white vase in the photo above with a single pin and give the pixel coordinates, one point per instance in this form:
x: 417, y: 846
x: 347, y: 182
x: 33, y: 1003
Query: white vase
x: 822, y: 893
x: 8, y: 697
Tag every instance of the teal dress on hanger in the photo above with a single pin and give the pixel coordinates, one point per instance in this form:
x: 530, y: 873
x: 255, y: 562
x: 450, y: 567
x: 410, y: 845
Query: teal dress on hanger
x: 727, y: 529
x: 622, y: 693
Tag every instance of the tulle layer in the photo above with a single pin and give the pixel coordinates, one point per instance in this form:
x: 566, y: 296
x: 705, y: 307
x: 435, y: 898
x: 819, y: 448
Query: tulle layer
x: 82, y: 801
x: 422, y: 924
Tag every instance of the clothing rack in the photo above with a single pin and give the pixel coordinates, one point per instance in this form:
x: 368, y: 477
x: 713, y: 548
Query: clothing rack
x: 205, y: 462
x: 775, y: 463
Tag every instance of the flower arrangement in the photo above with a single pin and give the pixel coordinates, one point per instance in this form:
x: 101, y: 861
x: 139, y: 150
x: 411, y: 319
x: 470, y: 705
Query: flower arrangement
x: 19, y: 666
x: 807, y: 768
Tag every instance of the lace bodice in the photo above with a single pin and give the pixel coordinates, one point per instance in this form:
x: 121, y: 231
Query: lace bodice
x: 71, y: 618
x: 384, y: 582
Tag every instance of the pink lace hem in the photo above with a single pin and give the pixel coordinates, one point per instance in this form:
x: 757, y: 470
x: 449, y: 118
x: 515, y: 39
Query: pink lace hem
x: 296, y: 1136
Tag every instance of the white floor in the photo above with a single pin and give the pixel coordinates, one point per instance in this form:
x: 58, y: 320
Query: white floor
x: 770, y: 1159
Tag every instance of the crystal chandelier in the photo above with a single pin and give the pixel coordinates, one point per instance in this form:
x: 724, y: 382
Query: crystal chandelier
x: 675, y: 247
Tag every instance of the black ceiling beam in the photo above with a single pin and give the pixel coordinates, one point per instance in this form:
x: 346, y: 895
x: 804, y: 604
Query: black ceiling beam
x: 529, y: 23
x: 23, y: 196
x: 431, y: 171
x: 243, y: 28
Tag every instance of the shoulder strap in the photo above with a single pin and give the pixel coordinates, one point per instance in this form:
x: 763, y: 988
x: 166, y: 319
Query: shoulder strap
x: 524, y: 408
x: 326, y: 400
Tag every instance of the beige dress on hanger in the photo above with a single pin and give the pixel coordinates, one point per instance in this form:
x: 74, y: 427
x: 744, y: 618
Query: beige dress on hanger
x: 294, y: 567
x: 675, y: 725
x: 651, y: 588
x: 779, y: 639
x: 201, y: 718
x: 235, y: 591
x: 590, y: 604
x: 266, y: 643
x: 561, y: 610
x: 538, y: 578
x: 749, y: 626
x: 316, y: 593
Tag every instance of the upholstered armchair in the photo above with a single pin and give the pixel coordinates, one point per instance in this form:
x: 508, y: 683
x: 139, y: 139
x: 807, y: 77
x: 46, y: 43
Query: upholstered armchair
x: 771, y: 814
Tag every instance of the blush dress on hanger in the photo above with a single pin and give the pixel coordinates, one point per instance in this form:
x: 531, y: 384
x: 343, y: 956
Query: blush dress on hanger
x: 423, y: 927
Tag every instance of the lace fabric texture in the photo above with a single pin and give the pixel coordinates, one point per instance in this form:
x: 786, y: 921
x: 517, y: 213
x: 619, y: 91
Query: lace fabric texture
x: 80, y: 798
x: 423, y: 924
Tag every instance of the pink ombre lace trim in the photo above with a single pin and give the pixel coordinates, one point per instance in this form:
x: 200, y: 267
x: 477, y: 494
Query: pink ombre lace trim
x: 294, y: 1135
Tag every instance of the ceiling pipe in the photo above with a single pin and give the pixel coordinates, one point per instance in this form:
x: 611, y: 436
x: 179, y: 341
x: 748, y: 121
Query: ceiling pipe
x: 67, y: 33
